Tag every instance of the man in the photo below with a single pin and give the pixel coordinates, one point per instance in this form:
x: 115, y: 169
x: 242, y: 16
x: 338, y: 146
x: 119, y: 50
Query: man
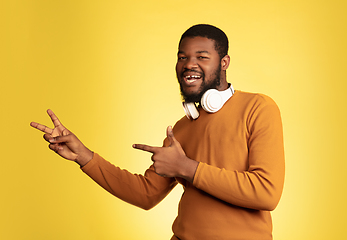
x: 230, y: 160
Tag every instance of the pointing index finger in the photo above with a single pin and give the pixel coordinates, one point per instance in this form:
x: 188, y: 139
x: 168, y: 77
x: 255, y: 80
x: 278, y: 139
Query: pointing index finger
x: 146, y: 148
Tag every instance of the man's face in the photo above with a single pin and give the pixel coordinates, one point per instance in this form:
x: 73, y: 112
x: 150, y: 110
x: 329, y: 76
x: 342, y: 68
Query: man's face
x: 198, y: 67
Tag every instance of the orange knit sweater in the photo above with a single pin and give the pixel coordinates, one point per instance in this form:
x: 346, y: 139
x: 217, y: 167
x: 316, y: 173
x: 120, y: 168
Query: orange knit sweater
x: 238, y: 181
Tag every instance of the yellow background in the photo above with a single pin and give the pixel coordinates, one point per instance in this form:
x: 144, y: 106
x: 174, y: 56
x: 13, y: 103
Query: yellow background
x: 107, y: 70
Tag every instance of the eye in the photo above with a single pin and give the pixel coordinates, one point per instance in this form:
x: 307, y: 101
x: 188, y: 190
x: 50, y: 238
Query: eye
x: 202, y: 57
x: 181, y: 58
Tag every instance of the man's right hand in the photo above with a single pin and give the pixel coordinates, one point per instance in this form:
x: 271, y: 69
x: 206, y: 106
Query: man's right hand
x: 64, y: 142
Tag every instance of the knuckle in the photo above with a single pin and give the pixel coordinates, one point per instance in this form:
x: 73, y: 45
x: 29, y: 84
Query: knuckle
x: 155, y: 157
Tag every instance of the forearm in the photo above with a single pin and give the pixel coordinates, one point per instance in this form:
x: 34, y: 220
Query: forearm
x: 144, y: 191
x: 256, y: 189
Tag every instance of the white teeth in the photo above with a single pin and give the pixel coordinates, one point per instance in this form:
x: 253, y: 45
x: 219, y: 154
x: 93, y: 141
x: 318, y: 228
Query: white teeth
x: 192, y: 76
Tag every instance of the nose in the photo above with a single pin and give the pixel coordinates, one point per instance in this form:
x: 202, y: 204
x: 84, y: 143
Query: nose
x: 190, y: 63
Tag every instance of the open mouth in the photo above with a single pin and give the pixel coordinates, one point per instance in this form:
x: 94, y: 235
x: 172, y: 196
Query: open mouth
x: 191, y: 78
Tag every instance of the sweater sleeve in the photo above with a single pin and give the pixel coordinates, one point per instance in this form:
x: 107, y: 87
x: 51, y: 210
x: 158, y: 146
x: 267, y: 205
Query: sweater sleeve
x: 260, y: 186
x: 144, y: 191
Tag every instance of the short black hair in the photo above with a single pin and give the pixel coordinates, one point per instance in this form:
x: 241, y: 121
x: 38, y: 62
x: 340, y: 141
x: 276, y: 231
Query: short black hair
x: 210, y: 32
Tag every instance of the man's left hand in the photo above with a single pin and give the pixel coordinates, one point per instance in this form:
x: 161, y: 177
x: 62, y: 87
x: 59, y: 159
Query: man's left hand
x: 171, y: 161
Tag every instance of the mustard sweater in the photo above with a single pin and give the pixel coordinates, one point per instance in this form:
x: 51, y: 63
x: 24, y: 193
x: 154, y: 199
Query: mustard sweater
x: 239, y: 179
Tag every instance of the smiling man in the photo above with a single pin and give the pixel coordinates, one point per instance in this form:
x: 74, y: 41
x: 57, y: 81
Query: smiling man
x: 201, y: 64
x: 227, y: 153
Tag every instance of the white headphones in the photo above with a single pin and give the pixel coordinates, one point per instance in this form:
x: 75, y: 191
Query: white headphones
x: 212, y: 101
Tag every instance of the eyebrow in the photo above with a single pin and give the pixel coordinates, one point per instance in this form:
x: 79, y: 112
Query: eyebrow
x: 181, y: 52
x: 203, y: 52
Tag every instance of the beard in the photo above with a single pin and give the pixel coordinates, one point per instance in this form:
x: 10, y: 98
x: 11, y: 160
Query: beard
x: 196, y: 97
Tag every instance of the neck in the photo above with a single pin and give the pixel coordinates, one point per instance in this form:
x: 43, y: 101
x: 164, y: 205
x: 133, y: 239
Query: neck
x: 223, y: 83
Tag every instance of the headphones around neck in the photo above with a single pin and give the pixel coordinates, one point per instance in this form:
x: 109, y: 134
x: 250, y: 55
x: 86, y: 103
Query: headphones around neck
x: 212, y: 101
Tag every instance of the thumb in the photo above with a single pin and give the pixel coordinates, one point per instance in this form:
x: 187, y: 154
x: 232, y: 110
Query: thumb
x: 173, y: 141
x: 170, y: 135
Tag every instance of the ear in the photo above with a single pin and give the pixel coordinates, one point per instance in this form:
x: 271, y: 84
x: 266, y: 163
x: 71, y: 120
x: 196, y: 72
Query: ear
x: 225, y: 61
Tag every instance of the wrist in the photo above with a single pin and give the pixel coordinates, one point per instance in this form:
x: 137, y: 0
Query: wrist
x: 83, y: 158
x: 188, y: 170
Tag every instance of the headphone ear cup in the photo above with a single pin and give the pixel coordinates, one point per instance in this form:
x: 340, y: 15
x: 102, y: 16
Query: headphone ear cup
x: 191, y: 110
x: 212, y: 101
